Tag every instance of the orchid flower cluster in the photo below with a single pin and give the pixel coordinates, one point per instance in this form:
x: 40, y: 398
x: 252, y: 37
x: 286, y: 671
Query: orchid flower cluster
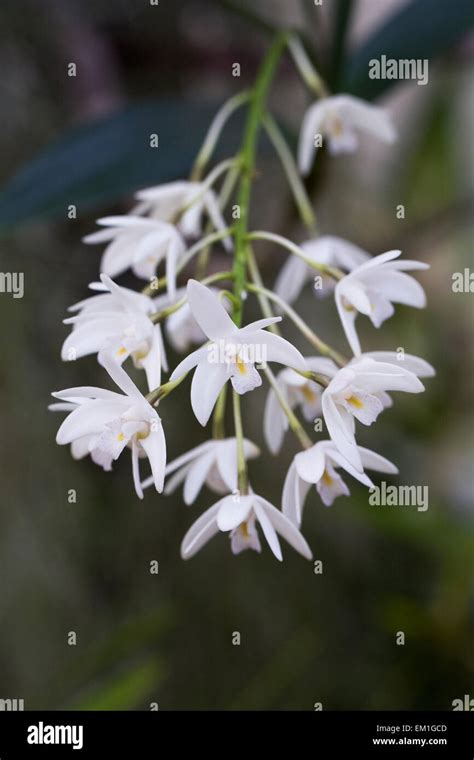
x: 174, y: 227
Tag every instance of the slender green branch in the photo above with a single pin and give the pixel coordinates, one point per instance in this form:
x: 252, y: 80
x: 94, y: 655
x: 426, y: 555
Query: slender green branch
x: 218, y: 421
x: 300, y: 195
x: 308, y: 73
x: 267, y: 310
x: 156, y: 395
x: 323, y: 348
x: 336, y: 274
x: 293, y: 421
x: 214, y: 132
x: 239, y: 434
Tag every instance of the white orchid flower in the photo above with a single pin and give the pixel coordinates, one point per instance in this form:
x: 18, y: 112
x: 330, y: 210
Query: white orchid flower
x: 102, y: 423
x: 139, y: 244
x: 212, y: 463
x: 372, y: 287
x: 297, y: 392
x: 338, y: 119
x: 117, y: 322
x: 181, y: 329
x: 238, y: 515
x: 354, y: 393
x: 327, y: 249
x: 317, y: 466
x: 231, y: 354
x: 184, y: 203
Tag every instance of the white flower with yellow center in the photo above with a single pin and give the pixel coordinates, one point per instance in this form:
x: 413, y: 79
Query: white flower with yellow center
x: 297, y: 392
x: 317, y: 466
x: 326, y: 249
x: 117, y: 322
x: 372, y: 287
x: 238, y: 516
x: 354, y: 394
x: 102, y: 423
x: 338, y: 119
x: 231, y: 354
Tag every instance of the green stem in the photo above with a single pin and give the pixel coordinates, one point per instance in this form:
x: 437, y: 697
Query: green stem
x: 218, y: 421
x: 239, y: 434
x: 333, y: 272
x: 264, y: 302
x: 248, y: 154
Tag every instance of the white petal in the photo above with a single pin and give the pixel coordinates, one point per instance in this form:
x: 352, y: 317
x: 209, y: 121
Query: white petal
x: 275, y: 422
x: 294, y: 494
x: 208, y: 312
x: 189, y: 456
x: 87, y: 419
x: 136, y: 470
x: 367, y: 117
x: 151, y: 363
x: 348, y: 318
x: 234, y: 510
x: 338, y: 431
x: 190, y: 361
x: 310, y: 464
x: 310, y: 126
x: 291, y: 279
x: 205, y: 387
x: 373, y: 461
x: 268, y: 530
x: 227, y: 460
x: 200, y: 532
x: 196, y: 476
x: 119, y: 376
x: 154, y: 446
x: 285, y: 527
x: 415, y: 364
x: 276, y: 349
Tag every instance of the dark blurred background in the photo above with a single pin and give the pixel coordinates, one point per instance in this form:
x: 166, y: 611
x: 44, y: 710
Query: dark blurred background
x: 85, y: 567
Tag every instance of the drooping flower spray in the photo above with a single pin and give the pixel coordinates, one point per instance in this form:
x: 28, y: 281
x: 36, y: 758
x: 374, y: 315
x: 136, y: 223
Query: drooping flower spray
x: 179, y: 224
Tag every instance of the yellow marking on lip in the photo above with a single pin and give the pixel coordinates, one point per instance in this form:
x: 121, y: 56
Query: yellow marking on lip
x: 121, y: 351
x: 354, y: 401
x: 241, y: 366
x: 120, y: 437
x: 308, y: 393
x: 327, y: 480
x: 244, y: 529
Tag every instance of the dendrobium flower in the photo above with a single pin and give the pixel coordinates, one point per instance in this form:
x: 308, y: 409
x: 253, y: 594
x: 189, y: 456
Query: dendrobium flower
x: 238, y: 515
x: 102, y: 423
x: 231, y: 354
x: 117, y: 322
x: 297, y: 391
x: 354, y: 393
x: 184, y: 204
x: 212, y: 463
x: 327, y: 249
x: 372, y: 287
x: 317, y: 466
x: 140, y: 244
x: 181, y: 329
x: 338, y: 119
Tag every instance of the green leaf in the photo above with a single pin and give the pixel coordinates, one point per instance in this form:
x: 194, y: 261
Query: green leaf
x: 103, y: 161
x: 422, y: 29
x: 126, y: 691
